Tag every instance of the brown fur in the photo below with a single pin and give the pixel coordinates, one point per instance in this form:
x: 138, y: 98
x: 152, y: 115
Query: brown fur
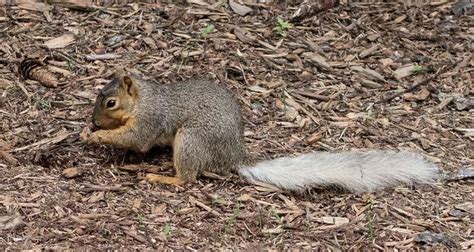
x: 201, y: 120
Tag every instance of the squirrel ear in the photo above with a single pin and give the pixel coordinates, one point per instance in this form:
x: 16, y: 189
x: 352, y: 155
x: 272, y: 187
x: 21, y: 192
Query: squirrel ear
x: 129, y: 85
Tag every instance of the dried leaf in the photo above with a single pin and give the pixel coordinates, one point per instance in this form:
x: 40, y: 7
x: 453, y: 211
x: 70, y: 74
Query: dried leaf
x: 96, y: 197
x: 35, y: 6
x: 150, y: 42
x: 60, y: 42
x: 83, y: 5
x: 71, y: 172
x: 431, y: 238
x: 136, y: 203
x: 467, y: 244
x: 8, y: 157
x: 10, y: 222
x: 159, y: 210
x: 276, y: 230
x: 239, y: 8
x: 244, y: 197
x: 259, y: 89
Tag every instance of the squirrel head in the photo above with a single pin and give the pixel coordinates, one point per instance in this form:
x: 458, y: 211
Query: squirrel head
x: 115, y: 102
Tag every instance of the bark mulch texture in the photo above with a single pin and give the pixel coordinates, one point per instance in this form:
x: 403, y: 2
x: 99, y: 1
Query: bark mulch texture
x: 355, y: 76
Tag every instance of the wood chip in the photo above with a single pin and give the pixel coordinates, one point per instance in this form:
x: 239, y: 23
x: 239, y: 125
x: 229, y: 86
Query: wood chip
x: 333, y: 220
x: 368, y: 73
x: 317, y: 60
x: 404, y: 71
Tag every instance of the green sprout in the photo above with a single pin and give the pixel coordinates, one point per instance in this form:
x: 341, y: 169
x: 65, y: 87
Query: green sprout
x: 43, y: 104
x: 232, y: 218
x: 167, y: 230
x: 282, y: 26
x: 206, y: 31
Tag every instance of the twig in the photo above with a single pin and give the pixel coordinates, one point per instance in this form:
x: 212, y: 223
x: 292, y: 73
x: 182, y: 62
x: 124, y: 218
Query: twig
x: 91, y: 188
x: 202, y: 205
x: 134, y: 235
x: 213, y: 175
x: 8, y: 61
x: 423, y: 82
x: 106, y: 56
x: 53, y: 140
x: 297, y: 106
x: 311, y: 95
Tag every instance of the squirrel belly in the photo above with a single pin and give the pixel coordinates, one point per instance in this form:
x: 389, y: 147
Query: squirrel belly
x: 352, y: 170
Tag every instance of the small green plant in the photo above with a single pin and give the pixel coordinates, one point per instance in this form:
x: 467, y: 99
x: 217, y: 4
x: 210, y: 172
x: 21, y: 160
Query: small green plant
x: 206, y: 31
x: 282, y: 26
x: 141, y: 222
x: 276, y: 215
x: 370, y: 114
x: 283, y: 95
x: 203, y: 34
x: 307, y: 227
x: 418, y: 69
x: 370, y: 219
x: 13, y: 89
x: 217, y: 201
x: 43, y: 104
x: 421, y: 69
x: 71, y: 66
x: 260, y: 220
x: 232, y: 218
x: 184, y: 60
x: 167, y: 230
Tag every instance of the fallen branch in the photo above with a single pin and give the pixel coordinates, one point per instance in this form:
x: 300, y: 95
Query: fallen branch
x: 442, y: 70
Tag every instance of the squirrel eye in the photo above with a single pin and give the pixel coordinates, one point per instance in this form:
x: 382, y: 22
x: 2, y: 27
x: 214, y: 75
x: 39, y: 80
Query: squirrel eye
x: 110, y: 103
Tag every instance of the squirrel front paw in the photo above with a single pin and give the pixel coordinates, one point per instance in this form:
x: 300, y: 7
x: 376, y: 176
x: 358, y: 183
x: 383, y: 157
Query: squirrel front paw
x: 86, y: 134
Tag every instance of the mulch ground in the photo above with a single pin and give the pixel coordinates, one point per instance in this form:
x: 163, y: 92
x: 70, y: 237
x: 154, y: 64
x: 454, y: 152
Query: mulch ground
x: 349, y: 77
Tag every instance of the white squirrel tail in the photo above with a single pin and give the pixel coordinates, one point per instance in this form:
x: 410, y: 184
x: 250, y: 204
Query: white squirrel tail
x: 352, y: 170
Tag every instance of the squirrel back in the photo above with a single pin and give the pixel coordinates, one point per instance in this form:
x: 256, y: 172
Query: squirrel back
x: 202, y: 121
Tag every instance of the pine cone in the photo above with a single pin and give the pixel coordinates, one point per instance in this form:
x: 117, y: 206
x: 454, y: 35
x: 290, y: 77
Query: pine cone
x: 35, y: 70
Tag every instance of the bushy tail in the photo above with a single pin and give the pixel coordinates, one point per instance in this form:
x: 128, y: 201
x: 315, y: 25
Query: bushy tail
x: 352, y: 170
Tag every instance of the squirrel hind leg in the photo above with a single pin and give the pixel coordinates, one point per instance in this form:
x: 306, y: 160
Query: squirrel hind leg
x: 189, y: 154
x: 185, y: 161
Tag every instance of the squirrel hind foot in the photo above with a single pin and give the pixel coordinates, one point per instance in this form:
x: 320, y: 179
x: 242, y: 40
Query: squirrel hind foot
x: 160, y: 179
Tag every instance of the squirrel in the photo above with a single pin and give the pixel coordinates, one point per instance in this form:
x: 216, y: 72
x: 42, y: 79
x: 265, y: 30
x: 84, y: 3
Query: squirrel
x: 202, y: 121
